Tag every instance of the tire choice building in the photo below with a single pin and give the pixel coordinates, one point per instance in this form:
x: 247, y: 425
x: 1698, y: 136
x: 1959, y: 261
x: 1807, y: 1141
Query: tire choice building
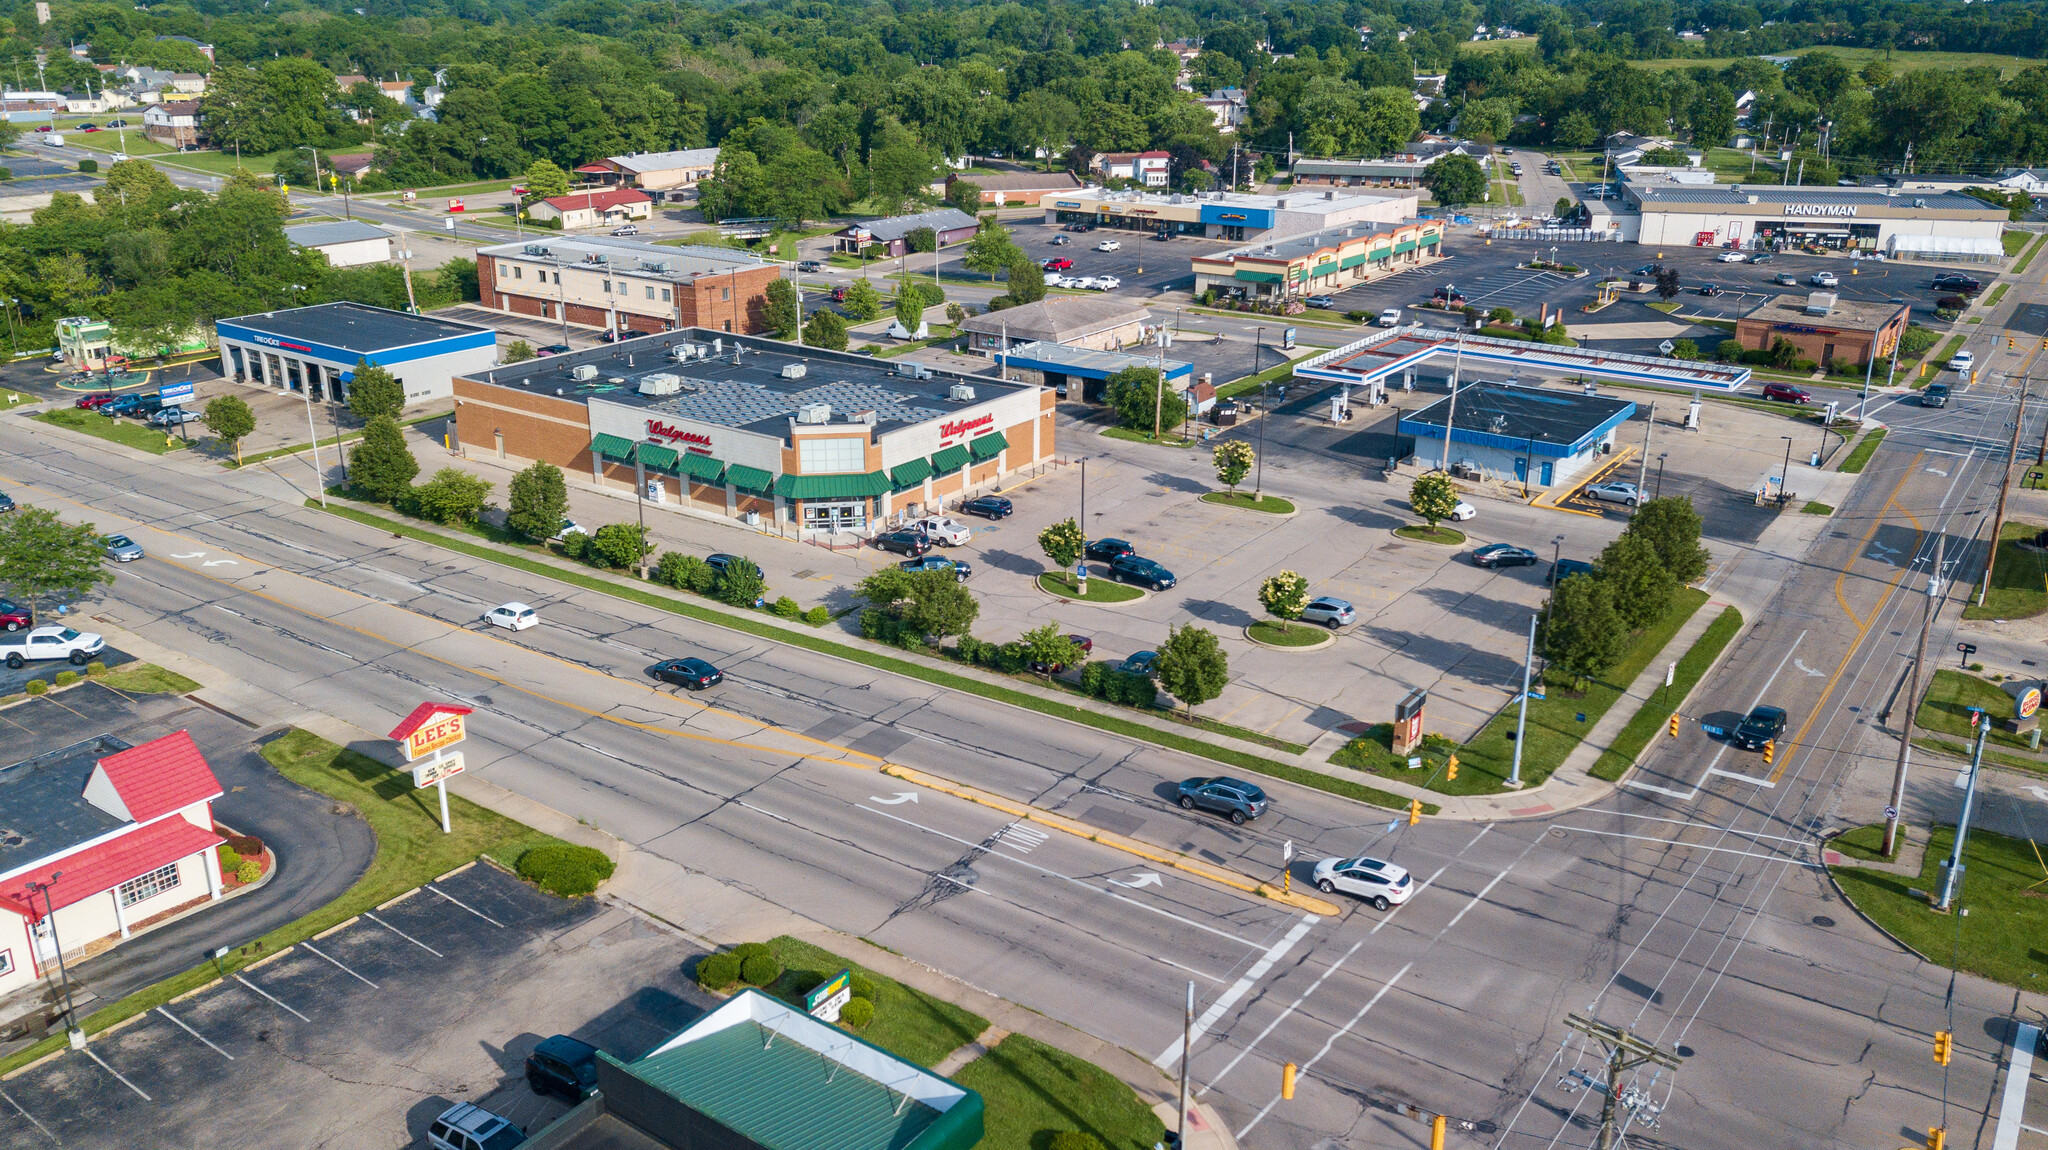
x: 1770, y: 216
x: 742, y: 427
x: 627, y: 286
x: 315, y: 349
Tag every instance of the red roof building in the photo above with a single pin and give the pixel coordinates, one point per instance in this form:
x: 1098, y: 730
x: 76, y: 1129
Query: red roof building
x: 610, y: 207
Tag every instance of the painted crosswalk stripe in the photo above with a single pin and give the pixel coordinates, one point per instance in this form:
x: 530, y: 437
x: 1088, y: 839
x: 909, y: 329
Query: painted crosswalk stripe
x: 1237, y: 989
x: 1022, y: 837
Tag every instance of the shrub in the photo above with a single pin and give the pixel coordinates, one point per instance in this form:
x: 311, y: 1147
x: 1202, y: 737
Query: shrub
x: 565, y: 869
x: 618, y: 545
x: 760, y: 970
x: 857, y: 1013
x: 66, y: 678
x: 863, y: 987
x: 95, y: 668
x: 741, y: 584
x: 575, y: 545
x: 673, y: 569
x: 249, y: 871
x: 37, y: 687
x: 248, y: 846
x: 1074, y: 1140
x: 718, y: 971
x: 747, y: 950
x: 229, y: 860
x: 1951, y: 303
x: 787, y: 608
x: 88, y: 165
x: 818, y: 616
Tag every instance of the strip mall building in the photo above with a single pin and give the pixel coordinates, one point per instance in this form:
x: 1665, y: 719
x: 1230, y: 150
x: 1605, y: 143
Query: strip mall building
x: 797, y: 439
x: 1325, y: 261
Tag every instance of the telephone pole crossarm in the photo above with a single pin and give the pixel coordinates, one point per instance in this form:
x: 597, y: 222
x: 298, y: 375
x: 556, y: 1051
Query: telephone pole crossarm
x: 1624, y: 1052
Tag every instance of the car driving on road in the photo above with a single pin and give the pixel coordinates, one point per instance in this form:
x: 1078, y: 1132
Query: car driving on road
x: 121, y: 549
x: 1378, y: 882
x: 1936, y: 395
x: 562, y: 1065
x: 1390, y: 317
x: 512, y: 617
x: 1963, y: 361
x: 1235, y: 799
x: 1626, y: 494
x: 1786, y: 393
x: 1503, y: 555
x: 690, y: 673
x: 1321, y: 301
x: 1760, y: 726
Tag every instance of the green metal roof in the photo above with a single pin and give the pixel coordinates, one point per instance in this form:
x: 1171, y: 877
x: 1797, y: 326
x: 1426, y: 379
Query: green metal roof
x: 612, y: 447
x: 749, y: 478
x: 655, y: 455
x: 832, y: 486
x: 951, y: 459
x: 987, y: 447
x: 911, y: 474
x: 701, y: 468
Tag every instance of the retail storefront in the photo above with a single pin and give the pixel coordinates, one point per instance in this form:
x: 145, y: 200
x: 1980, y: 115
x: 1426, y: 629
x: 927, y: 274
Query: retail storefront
x: 1769, y: 217
x: 1226, y: 215
x: 315, y: 349
x: 1325, y: 261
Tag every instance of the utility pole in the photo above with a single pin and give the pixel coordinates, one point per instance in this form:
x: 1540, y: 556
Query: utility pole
x: 1891, y: 813
x: 1451, y: 419
x: 1952, y: 881
x: 1643, y: 474
x: 1159, y: 391
x: 2004, y: 485
x: 1187, y: 1034
x: 1522, y: 720
x: 1624, y: 1052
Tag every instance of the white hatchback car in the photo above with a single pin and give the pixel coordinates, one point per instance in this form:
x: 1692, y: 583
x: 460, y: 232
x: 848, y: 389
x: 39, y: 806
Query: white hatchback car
x: 941, y: 529
x: 1380, y: 883
x: 512, y: 617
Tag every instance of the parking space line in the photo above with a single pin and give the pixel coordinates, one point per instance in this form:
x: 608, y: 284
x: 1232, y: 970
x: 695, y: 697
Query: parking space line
x: 273, y: 998
x: 339, y: 964
x: 117, y: 1074
x: 403, y: 935
x: 465, y: 906
x: 180, y: 1024
x: 31, y: 1118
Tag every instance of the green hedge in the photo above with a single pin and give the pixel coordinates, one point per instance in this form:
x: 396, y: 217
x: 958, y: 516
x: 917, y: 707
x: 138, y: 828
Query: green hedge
x: 565, y: 869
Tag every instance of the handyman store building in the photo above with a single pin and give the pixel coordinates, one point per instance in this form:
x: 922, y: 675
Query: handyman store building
x: 739, y: 427
x: 1768, y: 217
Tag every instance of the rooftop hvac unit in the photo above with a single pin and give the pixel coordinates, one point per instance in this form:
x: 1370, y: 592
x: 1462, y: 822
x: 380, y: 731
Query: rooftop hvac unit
x: 794, y: 371
x: 660, y: 383
x: 867, y: 417
x: 1820, y: 302
x: 961, y: 392
x: 814, y: 413
x: 535, y: 249
x: 583, y: 371
x: 658, y: 266
x: 1751, y: 199
x: 597, y: 258
x: 1919, y: 202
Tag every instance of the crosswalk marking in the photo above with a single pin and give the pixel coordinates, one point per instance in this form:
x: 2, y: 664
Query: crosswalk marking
x: 1022, y: 837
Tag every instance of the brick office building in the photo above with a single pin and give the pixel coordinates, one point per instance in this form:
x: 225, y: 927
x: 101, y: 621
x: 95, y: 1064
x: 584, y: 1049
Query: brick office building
x: 1825, y: 328
x: 627, y: 286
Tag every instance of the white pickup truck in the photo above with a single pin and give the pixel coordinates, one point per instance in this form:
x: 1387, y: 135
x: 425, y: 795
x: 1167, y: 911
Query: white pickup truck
x: 52, y: 641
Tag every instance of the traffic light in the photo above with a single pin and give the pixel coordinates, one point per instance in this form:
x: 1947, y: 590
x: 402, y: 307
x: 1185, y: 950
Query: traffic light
x: 1287, y: 1073
x: 1674, y: 725
x: 1451, y: 767
x: 1414, y: 811
x: 2009, y: 343
x: 1936, y: 1136
x: 1770, y: 749
x: 1944, y: 1044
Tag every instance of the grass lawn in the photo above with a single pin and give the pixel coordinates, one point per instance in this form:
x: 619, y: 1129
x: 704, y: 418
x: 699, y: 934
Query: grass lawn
x: 10, y: 399
x: 1170, y: 439
x: 1296, y: 634
x: 123, y: 431
x: 2021, y: 266
x: 1949, y: 349
x: 1101, y: 589
x: 1997, y: 293
x: 1859, y: 455
x: 1867, y: 842
x: 2000, y: 939
x: 908, y: 1023
x: 2019, y: 583
x: 1447, y: 536
x: 221, y: 163
x: 1815, y: 508
x: 2014, y: 242
x: 1665, y: 306
x: 1373, y: 753
x: 1945, y: 709
x: 146, y: 679
x: 1031, y: 1089
x: 1271, y: 504
x: 329, y: 441
x: 1655, y: 713
x: 1280, y: 374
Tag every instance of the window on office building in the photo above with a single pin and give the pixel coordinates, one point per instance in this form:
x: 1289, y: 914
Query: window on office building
x: 664, y: 295
x: 501, y: 271
x: 517, y: 273
x: 150, y: 885
x: 822, y: 456
x: 607, y: 287
x: 650, y: 292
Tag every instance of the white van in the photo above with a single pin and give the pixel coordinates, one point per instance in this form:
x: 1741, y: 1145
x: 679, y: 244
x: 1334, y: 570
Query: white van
x: 54, y: 139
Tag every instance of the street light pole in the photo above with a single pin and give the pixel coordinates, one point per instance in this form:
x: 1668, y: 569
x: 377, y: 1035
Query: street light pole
x: 1785, y: 475
x: 1661, y: 457
x: 1951, y: 880
x: 1522, y: 720
x: 71, y: 1026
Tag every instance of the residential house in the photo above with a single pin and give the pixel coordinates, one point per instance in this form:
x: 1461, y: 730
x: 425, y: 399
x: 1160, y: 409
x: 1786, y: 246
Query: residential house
x: 174, y: 124
x: 594, y: 209
x: 1015, y: 188
x: 1227, y: 106
x: 1403, y: 170
x: 1148, y: 168
x: 352, y: 166
x: 951, y: 225
x: 2033, y: 181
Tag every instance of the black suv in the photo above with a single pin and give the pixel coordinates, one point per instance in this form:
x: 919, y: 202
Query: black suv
x: 1239, y: 800
x: 1132, y: 569
x: 909, y: 543
x: 562, y: 1065
x: 1109, y: 550
x: 988, y: 507
x: 1763, y: 725
x: 1936, y: 395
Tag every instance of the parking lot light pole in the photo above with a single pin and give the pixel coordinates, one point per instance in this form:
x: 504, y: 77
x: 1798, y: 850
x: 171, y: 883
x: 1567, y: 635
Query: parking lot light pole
x: 1661, y: 457
x: 71, y: 1026
x: 1785, y: 476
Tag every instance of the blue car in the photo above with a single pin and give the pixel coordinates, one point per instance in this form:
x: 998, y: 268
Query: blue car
x: 939, y: 563
x: 1134, y: 569
x: 123, y: 405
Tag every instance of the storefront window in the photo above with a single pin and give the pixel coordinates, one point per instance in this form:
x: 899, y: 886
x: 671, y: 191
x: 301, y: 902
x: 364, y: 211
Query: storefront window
x: 836, y: 516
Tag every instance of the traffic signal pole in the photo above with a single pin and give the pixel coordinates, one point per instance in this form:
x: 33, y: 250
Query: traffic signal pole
x: 1898, y: 797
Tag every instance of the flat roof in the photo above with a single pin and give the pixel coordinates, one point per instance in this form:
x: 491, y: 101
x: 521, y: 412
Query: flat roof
x: 43, y: 811
x: 629, y: 257
x: 355, y: 327
x: 1657, y: 189
x: 1289, y: 248
x: 1508, y: 415
x: 337, y: 232
x: 1059, y: 317
x: 1383, y: 354
x: 1085, y: 360
x: 1847, y: 315
x: 1318, y: 202
x: 751, y: 394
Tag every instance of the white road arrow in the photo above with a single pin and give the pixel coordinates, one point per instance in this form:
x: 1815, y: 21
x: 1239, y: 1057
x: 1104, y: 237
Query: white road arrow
x: 1142, y: 878
x: 221, y: 563
x: 2038, y: 793
x: 1801, y: 664
x: 189, y: 555
x: 901, y: 798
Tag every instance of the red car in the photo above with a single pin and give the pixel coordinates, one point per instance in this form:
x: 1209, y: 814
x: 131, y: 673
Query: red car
x: 95, y: 401
x: 12, y: 616
x: 1087, y: 646
x: 839, y: 295
x: 1059, y: 265
x: 1786, y: 393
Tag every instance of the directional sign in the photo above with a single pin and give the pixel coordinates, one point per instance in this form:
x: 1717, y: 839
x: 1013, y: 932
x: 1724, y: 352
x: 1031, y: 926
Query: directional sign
x: 1666, y: 347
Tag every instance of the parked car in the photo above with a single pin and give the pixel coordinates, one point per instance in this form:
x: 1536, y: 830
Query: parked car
x: 1390, y: 317
x: 1762, y: 725
x: 1761, y: 258
x: 721, y: 562
x: 1240, y: 801
x: 121, y: 549
x: 1731, y: 257
x: 1786, y: 393
x: 51, y: 641
x: 1710, y: 289
x: 1087, y: 646
x: 903, y: 543
x: 1107, y: 283
x: 960, y: 569
x: 1626, y: 494
x: 1449, y: 294
x: 512, y: 616
x: 839, y: 294
x: 940, y: 529
x: 1331, y: 613
x: 172, y: 417
x: 1079, y: 283
x: 1321, y: 301
x: 1058, y: 264
x: 988, y: 507
x: 626, y: 230
x: 466, y: 1126
x: 1109, y: 246
x: 1463, y: 511
x: 1107, y: 550
x: 13, y: 616
x: 1503, y: 555
x: 1132, y: 569
x: 1060, y: 241
x: 1786, y: 278
x: 96, y: 400
x: 1824, y: 279
x: 1378, y: 882
x: 1963, y: 361
x: 1936, y: 395
x: 691, y: 672
x: 6, y: 503
x: 552, y: 349
x: 1958, y: 283
x: 88, y: 127
x: 1052, y: 279
x: 1566, y: 568
x: 562, y: 1065
x: 128, y: 405
x: 1140, y: 663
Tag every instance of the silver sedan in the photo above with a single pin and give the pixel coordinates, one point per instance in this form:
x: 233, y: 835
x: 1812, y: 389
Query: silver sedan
x: 121, y: 549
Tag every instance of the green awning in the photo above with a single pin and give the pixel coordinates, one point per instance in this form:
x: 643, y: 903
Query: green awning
x: 1257, y: 277
x: 655, y: 455
x: 612, y: 447
x: 850, y: 486
x: 1404, y: 246
x: 1351, y: 261
x: 1323, y: 269
x: 1379, y: 251
x: 987, y: 447
x: 701, y: 468
x: 910, y: 474
x: 749, y: 478
x: 950, y: 459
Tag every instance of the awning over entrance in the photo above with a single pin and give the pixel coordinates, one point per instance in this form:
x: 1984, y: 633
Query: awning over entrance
x: 749, y: 478
x: 987, y: 447
x: 612, y: 447
x: 951, y: 459
x: 832, y: 486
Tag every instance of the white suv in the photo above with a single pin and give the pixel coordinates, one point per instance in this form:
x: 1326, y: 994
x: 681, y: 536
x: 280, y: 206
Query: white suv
x: 941, y: 529
x: 50, y: 642
x: 464, y: 1126
x: 1109, y: 246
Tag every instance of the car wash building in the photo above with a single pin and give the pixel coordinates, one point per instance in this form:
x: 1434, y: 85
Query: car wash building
x: 799, y: 440
x: 1930, y: 225
x: 316, y: 349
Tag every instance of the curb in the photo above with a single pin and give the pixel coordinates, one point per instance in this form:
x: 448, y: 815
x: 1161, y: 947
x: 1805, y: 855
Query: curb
x: 1058, y: 598
x: 1328, y: 637
x: 1277, y: 516
x: 1860, y: 913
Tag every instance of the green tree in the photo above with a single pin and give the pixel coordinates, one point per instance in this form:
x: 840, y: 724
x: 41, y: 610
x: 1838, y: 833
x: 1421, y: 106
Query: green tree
x: 1234, y: 459
x: 1486, y: 120
x: 1581, y: 633
x: 862, y: 301
x: 374, y: 392
x: 1672, y: 527
x: 228, y: 417
x: 1565, y: 206
x: 909, y: 307
x: 1063, y: 543
x: 921, y: 240
x: 964, y: 195
x: 1576, y: 130
x: 1433, y: 497
x: 1284, y: 596
x: 1134, y: 394
x: 1667, y: 284
x: 1455, y: 180
x: 538, y: 498
x: 380, y: 465
x: 991, y: 249
x: 1636, y: 579
x: 1027, y: 280
x: 1685, y: 349
x: 134, y: 183
x: 933, y: 604
x: 1049, y: 647
x: 452, y: 496
x: 620, y: 545
x: 741, y: 584
x: 1192, y: 665
x: 783, y: 313
x: 825, y: 329
x: 544, y: 181
x: 42, y: 557
x: 518, y: 351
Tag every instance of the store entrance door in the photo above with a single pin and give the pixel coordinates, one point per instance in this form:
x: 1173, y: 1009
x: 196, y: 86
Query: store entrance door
x: 842, y: 515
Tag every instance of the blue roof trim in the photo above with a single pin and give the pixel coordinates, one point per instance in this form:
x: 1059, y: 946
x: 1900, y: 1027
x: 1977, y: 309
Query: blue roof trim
x: 328, y: 353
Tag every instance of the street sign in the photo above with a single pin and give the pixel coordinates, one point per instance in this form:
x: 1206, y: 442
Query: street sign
x: 172, y: 394
x: 1667, y: 347
x: 426, y: 774
x: 825, y: 1002
x: 1891, y: 812
x: 1287, y: 852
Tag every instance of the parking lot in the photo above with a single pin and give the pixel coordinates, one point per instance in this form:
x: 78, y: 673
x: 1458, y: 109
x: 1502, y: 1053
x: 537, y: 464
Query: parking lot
x: 1145, y: 265
x: 361, y: 1037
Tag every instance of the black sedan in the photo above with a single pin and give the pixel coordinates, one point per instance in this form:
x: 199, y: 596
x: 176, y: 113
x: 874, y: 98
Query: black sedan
x: 1132, y: 569
x: 911, y: 543
x: 1763, y: 725
x: 1109, y: 550
x: 1503, y: 555
x: 988, y: 507
x: 693, y: 673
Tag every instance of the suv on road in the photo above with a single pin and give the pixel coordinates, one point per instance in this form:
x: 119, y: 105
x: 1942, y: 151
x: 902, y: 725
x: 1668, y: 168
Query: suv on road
x: 1239, y: 800
x: 1936, y: 395
x: 51, y: 641
x: 1380, y: 883
x: 1786, y: 393
x: 1763, y: 725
